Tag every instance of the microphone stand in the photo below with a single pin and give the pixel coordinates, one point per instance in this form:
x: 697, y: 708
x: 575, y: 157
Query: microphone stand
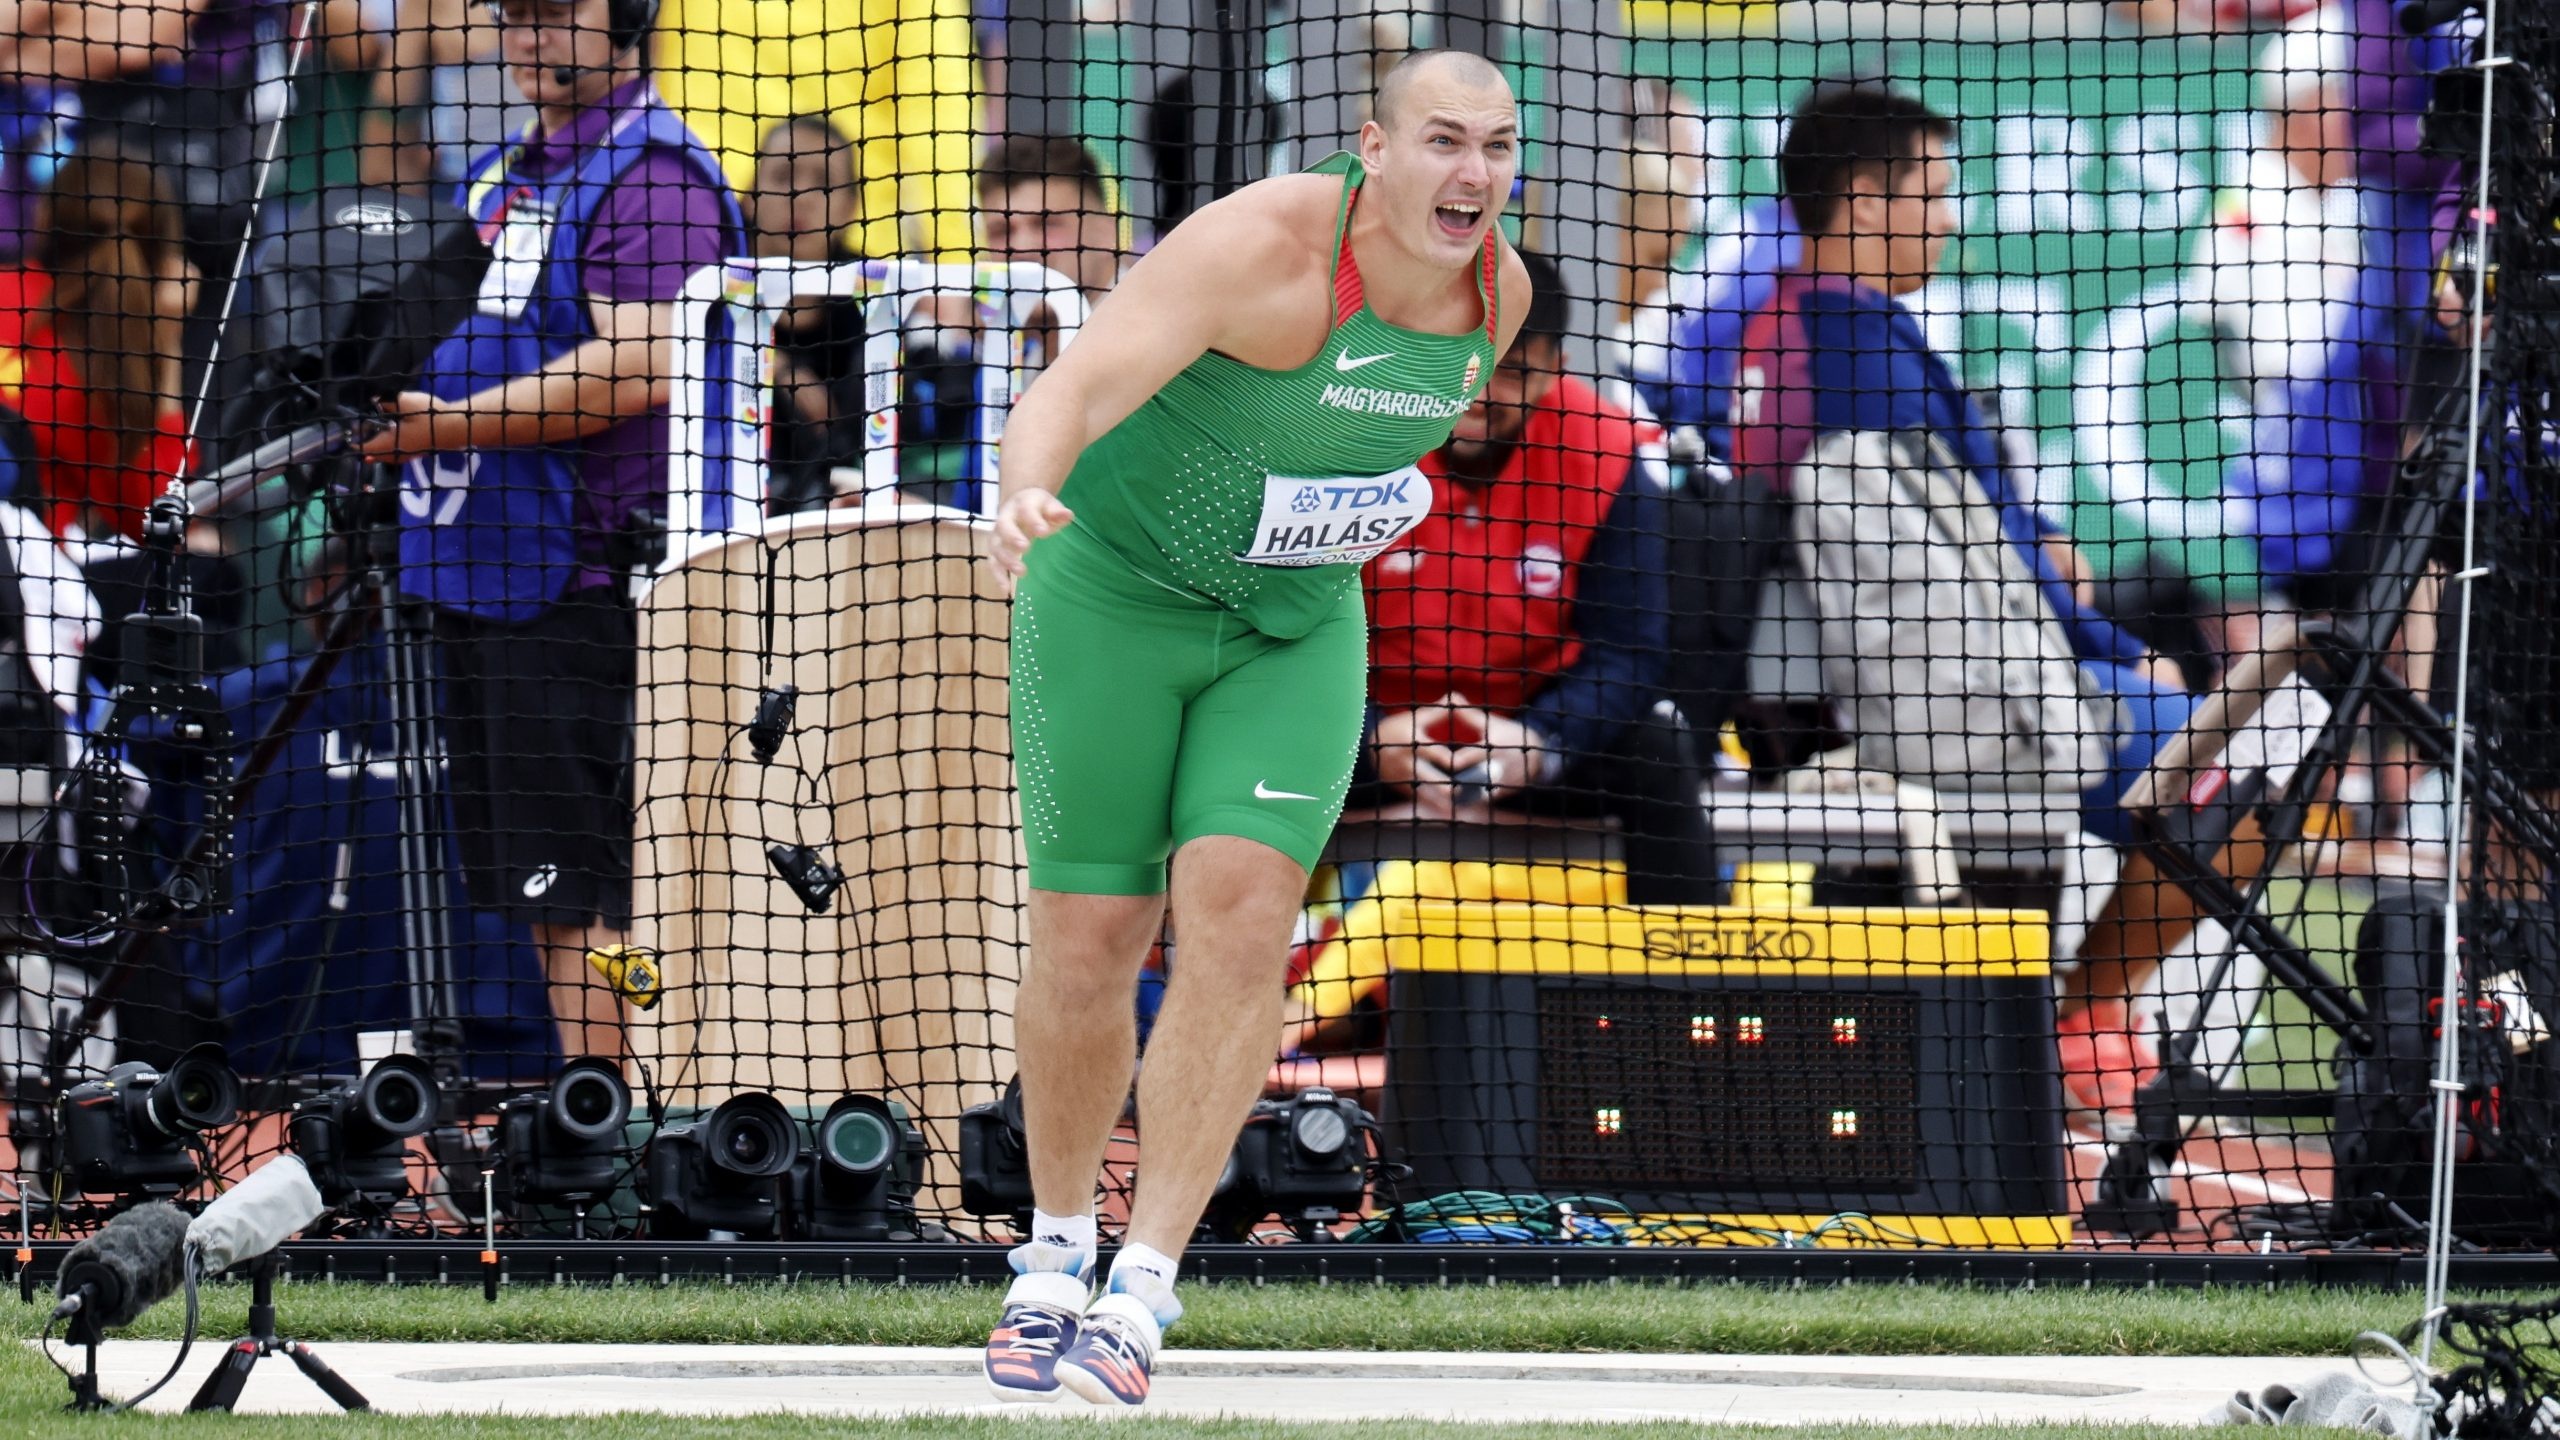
x: 84, y: 1332
x: 221, y: 1389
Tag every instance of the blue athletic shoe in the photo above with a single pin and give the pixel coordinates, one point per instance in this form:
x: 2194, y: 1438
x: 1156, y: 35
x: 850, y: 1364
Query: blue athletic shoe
x: 1114, y: 1352
x: 1042, y: 1315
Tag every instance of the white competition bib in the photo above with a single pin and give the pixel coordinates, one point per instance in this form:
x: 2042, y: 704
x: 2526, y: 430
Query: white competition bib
x: 1344, y: 521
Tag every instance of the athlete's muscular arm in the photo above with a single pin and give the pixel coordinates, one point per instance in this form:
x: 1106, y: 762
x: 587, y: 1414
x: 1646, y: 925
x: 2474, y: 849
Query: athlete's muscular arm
x: 621, y: 373
x: 1242, y: 276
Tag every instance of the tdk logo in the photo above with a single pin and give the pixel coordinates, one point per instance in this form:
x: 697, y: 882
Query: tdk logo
x: 1361, y: 497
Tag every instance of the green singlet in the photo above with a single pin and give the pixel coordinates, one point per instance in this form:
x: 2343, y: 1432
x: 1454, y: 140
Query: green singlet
x: 1190, y: 656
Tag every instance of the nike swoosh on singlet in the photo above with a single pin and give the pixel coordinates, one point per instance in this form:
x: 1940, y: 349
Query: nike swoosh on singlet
x: 1262, y: 791
x: 1348, y: 362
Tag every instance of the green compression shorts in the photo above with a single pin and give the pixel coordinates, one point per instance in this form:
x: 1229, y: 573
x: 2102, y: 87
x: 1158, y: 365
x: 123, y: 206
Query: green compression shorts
x: 1144, y: 718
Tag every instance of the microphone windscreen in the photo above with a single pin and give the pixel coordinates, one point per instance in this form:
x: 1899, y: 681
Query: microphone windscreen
x: 253, y: 1217
x: 132, y: 1263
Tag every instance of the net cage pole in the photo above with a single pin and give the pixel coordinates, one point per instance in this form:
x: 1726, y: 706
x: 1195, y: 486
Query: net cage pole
x: 2446, y: 1080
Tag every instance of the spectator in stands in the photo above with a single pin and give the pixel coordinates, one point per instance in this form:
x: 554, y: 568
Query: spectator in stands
x: 2284, y: 273
x: 1661, y: 226
x: 802, y: 206
x: 1519, y: 636
x: 537, y: 453
x: 1957, y: 623
x: 2388, y: 83
x: 446, y: 87
x: 90, y: 344
x: 1688, y: 379
x: 1042, y: 198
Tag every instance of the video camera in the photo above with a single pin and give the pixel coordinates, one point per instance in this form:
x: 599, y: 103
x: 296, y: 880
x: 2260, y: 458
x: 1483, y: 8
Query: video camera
x: 341, y: 307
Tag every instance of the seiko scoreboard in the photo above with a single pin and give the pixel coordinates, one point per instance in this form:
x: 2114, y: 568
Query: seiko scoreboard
x: 1738, y: 1069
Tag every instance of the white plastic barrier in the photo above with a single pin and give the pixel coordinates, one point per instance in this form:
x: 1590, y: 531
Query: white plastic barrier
x: 735, y: 306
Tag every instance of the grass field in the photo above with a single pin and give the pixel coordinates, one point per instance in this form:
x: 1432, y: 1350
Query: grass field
x: 1854, y: 1320
x: 1881, y: 1319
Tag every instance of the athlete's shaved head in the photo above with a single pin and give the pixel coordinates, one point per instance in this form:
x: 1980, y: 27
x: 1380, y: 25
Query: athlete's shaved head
x: 1443, y: 147
x: 1464, y: 67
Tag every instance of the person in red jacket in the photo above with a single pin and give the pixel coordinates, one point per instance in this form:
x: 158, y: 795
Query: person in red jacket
x: 1519, y: 637
x: 89, y: 344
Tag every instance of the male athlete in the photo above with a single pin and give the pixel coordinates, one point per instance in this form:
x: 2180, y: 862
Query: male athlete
x: 1188, y: 496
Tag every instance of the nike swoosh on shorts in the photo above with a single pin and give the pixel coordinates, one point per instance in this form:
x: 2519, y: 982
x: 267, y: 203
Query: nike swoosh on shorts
x: 1262, y: 791
x: 1349, y: 362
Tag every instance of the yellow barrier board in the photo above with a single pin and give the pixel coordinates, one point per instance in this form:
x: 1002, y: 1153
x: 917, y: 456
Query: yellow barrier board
x: 1858, y: 1232
x: 1505, y: 938
x: 1558, y: 912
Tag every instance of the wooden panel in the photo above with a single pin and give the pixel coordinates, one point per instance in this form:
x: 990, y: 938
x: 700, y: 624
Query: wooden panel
x: 899, y: 769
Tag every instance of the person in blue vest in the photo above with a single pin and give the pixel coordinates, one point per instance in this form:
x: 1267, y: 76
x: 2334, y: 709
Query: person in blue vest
x: 537, y: 466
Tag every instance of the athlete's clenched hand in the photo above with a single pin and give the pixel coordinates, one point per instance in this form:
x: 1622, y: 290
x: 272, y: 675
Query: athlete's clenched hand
x: 1407, y: 752
x: 1025, y: 516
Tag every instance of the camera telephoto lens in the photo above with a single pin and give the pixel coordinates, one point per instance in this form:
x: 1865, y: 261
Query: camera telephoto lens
x: 397, y: 1104
x: 752, y: 1135
x: 857, y: 1140
x: 197, y: 1092
x: 395, y: 1100
x: 590, y: 1101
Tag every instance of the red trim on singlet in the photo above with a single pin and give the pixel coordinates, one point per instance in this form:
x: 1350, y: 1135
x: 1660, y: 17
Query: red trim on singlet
x: 1348, y: 296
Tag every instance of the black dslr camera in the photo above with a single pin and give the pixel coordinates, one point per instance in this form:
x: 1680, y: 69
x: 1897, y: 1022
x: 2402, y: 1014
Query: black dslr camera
x: 860, y: 1182
x: 1304, y: 1160
x: 558, y: 1145
x: 127, y: 1134
x: 355, y: 1138
x: 995, y: 1163
x: 726, y: 1171
x: 813, y: 879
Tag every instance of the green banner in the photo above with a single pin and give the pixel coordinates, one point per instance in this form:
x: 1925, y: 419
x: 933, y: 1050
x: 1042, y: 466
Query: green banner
x: 2086, y: 170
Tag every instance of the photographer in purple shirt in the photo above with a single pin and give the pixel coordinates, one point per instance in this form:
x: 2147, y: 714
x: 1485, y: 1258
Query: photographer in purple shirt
x: 535, y: 453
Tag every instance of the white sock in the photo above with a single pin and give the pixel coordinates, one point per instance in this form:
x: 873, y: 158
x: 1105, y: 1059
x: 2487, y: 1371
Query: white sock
x: 1062, y: 1243
x: 1146, y: 1274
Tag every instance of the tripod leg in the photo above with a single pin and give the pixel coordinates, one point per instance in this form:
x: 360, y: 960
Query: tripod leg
x: 331, y: 1383
x: 221, y: 1389
x: 2149, y: 915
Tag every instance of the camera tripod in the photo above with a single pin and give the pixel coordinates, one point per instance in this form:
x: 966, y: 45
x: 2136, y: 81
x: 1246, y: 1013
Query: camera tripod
x: 367, y: 600
x: 2343, y: 659
x: 221, y: 1389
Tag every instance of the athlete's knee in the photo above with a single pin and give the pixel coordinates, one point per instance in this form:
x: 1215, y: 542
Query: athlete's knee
x: 1091, y: 941
x: 1235, y: 901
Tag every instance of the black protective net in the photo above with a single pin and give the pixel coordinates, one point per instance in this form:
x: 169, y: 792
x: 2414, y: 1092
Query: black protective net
x: 2498, y: 1381
x: 1911, y: 636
